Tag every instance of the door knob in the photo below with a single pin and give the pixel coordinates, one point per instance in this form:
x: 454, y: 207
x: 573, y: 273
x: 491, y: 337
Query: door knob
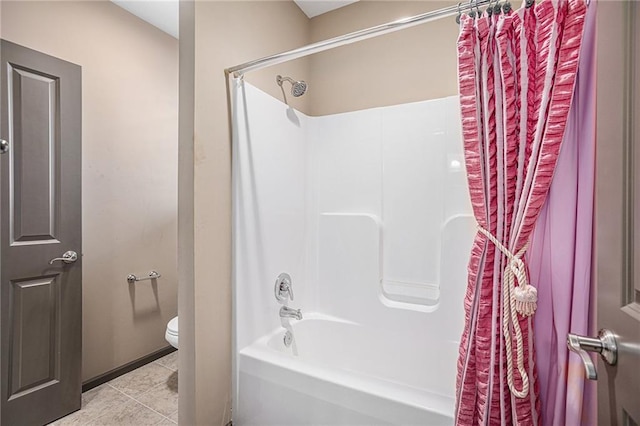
x: 68, y: 257
x: 605, y: 344
x: 4, y: 146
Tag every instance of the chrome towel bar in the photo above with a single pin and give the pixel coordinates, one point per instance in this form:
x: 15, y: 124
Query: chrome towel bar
x: 131, y: 278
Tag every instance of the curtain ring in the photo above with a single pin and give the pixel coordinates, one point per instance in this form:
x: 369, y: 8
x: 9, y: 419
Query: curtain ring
x: 529, y: 3
x: 478, y: 10
x: 472, y: 13
x: 506, y: 8
x: 489, y: 10
x: 497, y: 9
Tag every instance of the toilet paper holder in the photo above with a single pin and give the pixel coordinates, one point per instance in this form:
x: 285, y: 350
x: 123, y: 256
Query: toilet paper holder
x: 132, y: 278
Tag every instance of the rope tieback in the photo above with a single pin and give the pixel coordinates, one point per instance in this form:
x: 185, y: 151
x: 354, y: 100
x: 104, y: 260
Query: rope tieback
x: 515, y: 300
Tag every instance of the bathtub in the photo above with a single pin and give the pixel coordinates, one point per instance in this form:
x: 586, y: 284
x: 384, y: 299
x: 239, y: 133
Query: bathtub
x: 328, y: 377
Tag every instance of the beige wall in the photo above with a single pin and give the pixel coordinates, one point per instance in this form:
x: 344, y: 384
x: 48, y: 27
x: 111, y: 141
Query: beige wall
x: 407, y: 66
x: 224, y: 34
x: 129, y: 187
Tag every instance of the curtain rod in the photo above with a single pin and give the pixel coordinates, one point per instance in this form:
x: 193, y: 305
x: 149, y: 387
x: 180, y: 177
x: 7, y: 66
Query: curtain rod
x: 354, y: 37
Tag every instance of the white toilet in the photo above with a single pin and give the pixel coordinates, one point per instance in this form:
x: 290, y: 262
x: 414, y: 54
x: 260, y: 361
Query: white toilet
x: 172, y: 333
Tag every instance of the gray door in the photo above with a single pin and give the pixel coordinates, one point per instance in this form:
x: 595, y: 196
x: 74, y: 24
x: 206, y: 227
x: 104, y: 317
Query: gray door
x: 618, y: 208
x: 40, y: 303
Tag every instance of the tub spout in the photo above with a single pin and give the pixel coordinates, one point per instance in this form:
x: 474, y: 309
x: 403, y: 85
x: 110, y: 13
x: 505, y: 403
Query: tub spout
x: 287, y: 312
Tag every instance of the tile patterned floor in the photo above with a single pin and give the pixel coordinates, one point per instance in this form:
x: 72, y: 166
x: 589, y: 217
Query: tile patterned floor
x: 146, y: 396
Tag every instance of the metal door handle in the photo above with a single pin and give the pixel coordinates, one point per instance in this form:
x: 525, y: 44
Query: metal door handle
x: 605, y: 344
x: 68, y: 257
x: 4, y: 146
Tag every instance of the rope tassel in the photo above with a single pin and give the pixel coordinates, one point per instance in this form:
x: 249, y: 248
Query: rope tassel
x: 526, y: 299
x: 525, y: 295
x: 522, y: 300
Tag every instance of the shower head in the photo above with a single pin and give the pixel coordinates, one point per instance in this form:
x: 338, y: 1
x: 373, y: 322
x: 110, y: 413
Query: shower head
x: 298, y: 88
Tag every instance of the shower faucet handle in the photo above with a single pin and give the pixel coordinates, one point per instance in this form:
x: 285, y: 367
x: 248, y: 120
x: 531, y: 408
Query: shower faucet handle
x: 283, y: 288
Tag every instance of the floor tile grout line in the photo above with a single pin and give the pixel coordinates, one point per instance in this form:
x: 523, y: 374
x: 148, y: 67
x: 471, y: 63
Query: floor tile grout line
x: 151, y: 389
x: 119, y: 390
x: 123, y: 392
x: 158, y: 385
x: 141, y: 403
x: 162, y: 365
x: 144, y: 405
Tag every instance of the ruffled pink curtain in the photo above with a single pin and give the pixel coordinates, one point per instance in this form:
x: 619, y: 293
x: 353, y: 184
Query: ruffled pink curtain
x: 516, y: 75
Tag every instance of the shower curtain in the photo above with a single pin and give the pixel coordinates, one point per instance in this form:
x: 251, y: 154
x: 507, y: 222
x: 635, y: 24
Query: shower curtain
x: 517, y: 72
x: 560, y: 256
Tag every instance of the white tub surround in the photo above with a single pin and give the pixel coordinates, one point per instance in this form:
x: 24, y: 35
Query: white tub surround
x: 368, y: 212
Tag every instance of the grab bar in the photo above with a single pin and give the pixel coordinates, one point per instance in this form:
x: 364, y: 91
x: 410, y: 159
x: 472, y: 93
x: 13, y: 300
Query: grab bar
x: 132, y: 278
